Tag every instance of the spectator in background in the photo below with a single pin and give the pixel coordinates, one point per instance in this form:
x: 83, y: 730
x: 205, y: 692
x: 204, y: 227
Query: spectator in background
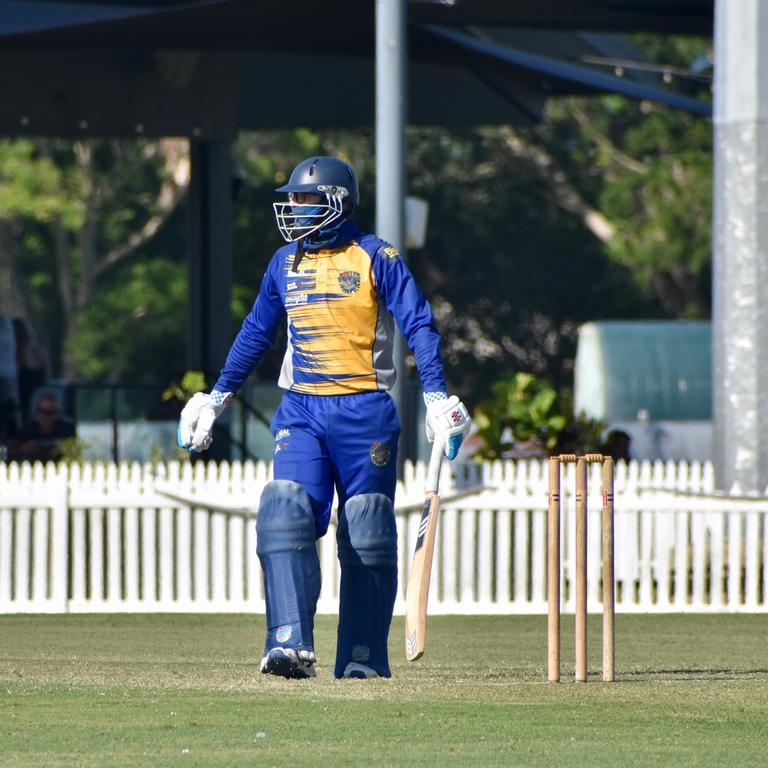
x: 9, y: 398
x: 40, y: 439
x: 31, y: 364
x: 617, y: 444
x: 9, y: 417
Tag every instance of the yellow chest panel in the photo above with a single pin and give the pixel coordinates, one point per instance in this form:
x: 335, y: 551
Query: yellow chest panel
x: 332, y: 310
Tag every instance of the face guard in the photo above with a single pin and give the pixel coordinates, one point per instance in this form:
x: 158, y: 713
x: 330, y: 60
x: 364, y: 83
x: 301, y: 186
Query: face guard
x: 296, y: 220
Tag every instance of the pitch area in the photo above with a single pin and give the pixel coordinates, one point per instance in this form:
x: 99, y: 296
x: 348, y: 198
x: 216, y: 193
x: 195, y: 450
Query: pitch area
x: 164, y: 690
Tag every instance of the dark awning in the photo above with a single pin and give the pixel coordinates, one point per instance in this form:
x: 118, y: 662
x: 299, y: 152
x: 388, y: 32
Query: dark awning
x: 213, y: 67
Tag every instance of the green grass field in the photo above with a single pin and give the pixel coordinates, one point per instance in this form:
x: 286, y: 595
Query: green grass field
x: 186, y: 690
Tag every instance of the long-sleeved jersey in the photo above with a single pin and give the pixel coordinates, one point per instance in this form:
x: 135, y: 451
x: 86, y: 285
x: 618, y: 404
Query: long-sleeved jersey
x: 339, y: 304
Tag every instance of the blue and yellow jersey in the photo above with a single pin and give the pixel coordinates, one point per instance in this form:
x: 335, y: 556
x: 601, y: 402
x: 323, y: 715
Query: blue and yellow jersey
x: 340, y: 304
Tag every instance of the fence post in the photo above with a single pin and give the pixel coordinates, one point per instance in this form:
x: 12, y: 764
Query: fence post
x: 59, y: 481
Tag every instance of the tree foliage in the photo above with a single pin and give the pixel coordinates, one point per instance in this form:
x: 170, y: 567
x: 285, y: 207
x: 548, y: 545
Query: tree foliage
x: 648, y: 170
x: 73, y: 215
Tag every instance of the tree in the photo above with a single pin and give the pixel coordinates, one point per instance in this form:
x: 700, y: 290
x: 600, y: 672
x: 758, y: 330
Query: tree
x: 600, y: 211
x: 29, y: 192
x: 72, y: 215
x: 510, y: 270
x: 648, y: 170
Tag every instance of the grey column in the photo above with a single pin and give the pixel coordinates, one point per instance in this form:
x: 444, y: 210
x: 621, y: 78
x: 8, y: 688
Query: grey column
x: 390, y: 145
x: 210, y: 331
x: 740, y: 246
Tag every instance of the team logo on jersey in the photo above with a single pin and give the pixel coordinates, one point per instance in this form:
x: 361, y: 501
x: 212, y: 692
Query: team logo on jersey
x: 391, y: 253
x: 381, y: 453
x: 295, y: 299
x: 349, y: 282
x: 281, y: 440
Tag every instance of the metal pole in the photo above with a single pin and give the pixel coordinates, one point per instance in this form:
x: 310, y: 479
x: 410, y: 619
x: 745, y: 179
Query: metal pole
x: 209, y: 326
x: 740, y: 246
x: 390, y: 151
x: 210, y: 330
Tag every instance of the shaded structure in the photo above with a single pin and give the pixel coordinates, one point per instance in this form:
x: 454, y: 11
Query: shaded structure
x: 213, y: 67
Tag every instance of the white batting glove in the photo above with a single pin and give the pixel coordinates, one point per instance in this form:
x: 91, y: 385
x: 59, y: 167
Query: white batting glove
x: 448, y: 417
x: 195, y: 432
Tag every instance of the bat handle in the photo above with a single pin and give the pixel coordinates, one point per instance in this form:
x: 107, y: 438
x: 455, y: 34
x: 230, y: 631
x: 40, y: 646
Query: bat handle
x: 435, y: 460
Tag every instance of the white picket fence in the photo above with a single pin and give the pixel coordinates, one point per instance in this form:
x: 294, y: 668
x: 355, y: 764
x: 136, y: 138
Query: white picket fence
x: 181, y: 537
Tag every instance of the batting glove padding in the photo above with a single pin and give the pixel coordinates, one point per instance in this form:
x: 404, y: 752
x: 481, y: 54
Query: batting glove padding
x: 195, y: 432
x: 450, y: 418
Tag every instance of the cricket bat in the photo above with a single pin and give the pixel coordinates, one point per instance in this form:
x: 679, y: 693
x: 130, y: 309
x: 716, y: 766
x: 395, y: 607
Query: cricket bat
x: 417, y: 591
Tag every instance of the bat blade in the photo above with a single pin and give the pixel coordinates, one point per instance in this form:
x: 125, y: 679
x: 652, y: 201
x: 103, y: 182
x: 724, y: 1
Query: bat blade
x: 417, y: 591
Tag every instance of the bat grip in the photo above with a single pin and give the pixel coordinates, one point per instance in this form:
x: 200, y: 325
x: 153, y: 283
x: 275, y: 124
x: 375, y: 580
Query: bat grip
x: 435, y: 460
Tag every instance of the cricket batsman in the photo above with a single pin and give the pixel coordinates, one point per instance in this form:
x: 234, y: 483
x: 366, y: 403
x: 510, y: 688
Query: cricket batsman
x: 337, y: 426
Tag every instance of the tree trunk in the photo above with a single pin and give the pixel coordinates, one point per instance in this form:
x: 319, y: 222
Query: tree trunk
x: 14, y: 301
x: 565, y: 194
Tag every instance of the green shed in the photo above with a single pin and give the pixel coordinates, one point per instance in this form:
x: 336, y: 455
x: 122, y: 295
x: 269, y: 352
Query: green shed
x: 647, y: 370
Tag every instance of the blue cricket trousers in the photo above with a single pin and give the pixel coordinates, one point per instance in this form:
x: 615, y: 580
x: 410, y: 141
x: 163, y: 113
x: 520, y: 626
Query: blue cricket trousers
x: 346, y: 441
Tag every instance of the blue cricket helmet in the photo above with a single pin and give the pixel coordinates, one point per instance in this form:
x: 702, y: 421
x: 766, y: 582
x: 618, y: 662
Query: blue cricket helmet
x: 332, y: 179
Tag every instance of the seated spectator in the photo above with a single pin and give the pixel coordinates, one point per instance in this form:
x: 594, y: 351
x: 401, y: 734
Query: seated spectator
x: 10, y: 417
x: 31, y: 363
x: 40, y: 439
x: 9, y: 412
x: 617, y: 444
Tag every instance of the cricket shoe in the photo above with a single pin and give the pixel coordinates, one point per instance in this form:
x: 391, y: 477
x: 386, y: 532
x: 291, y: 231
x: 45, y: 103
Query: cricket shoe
x: 286, y: 662
x: 359, y: 671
